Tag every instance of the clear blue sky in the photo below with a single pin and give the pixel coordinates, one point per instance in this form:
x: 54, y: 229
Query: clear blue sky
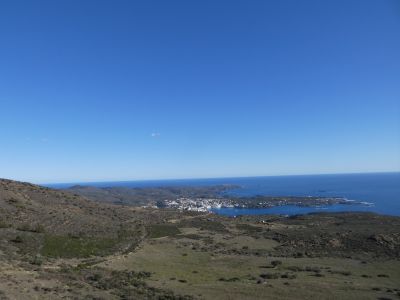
x: 119, y: 90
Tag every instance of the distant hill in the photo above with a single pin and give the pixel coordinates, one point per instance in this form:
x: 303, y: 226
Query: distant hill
x: 148, y: 195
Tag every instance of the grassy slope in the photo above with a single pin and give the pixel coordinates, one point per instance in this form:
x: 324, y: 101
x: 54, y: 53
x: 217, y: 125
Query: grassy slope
x: 175, y: 265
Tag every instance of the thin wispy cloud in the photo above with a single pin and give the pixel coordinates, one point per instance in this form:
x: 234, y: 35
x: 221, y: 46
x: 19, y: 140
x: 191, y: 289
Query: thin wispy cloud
x: 155, y: 134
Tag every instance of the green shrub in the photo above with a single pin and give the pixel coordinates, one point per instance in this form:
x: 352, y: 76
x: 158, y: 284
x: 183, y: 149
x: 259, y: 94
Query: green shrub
x: 37, y: 260
x: 233, y: 279
x: 345, y: 273
x: 18, y: 239
x: 295, y: 269
x: 24, y: 227
x: 276, y: 263
x: 4, y: 224
x: 270, y: 275
x: 289, y: 276
x: 31, y: 228
x: 249, y: 229
x: 38, y: 228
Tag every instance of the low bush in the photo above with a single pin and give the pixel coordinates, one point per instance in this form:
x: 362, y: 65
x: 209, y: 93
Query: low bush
x: 270, y: 275
x: 18, y: 239
x: 233, y: 279
x: 289, y: 276
x: 4, y: 224
x: 37, y: 260
x: 276, y: 263
x: 344, y: 273
x: 38, y: 228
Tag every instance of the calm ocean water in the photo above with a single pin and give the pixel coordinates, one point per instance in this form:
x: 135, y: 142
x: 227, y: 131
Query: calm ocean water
x: 381, y: 189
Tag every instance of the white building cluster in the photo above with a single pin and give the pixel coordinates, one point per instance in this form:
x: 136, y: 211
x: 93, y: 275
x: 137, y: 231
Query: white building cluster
x: 198, y: 204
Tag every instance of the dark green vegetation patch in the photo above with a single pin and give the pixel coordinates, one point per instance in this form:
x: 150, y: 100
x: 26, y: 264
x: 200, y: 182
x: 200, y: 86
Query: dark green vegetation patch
x: 161, y: 230
x: 123, y: 284
x: 69, y: 247
x: 209, y: 224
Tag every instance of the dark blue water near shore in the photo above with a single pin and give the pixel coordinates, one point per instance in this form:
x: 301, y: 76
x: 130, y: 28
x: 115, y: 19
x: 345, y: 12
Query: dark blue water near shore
x: 381, y: 189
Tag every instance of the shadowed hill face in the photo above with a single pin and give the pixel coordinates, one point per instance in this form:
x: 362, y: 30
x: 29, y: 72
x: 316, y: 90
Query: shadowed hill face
x: 55, y: 223
x: 58, y: 212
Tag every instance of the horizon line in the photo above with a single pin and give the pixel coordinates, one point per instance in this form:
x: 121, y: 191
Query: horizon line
x: 210, y: 178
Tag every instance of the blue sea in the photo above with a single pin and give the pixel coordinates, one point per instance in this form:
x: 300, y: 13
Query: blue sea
x: 382, y: 190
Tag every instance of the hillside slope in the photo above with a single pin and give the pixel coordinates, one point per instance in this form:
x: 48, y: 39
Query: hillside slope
x: 58, y: 245
x: 24, y: 205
